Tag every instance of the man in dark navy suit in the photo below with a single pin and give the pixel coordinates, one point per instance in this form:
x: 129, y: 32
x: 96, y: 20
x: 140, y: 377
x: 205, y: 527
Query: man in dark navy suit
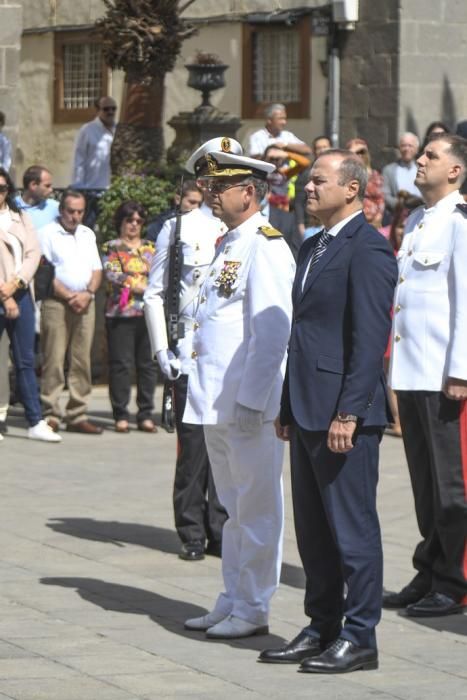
x: 334, y: 409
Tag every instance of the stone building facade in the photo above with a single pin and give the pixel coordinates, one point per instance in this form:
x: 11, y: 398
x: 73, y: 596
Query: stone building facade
x: 11, y: 27
x: 404, y: 66
x: 401, y: 67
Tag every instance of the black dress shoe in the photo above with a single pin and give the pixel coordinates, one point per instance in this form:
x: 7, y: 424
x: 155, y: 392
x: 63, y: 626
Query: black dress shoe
x: 408, y: 595
x: 434, y: 604
x: 192, y: 551
x: 341, y: 656
x: 3, y: 427
x: 302, y: 647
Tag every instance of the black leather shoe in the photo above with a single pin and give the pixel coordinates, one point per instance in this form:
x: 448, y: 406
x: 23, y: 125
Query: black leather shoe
x: 302, y: 647
x: 3, y: 427
x: 434, y: 604
x: 408, y: 595
x: 341, y: 656
x: 192, y: 551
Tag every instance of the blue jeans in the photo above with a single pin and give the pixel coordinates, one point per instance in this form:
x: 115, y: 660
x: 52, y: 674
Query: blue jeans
x: 21, y: 332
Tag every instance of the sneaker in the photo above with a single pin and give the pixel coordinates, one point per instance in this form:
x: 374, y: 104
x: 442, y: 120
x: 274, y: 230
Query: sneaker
x: 42, y: 431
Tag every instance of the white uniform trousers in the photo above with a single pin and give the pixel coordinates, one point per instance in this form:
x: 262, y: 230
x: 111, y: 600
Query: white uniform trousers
x: 247, y: 471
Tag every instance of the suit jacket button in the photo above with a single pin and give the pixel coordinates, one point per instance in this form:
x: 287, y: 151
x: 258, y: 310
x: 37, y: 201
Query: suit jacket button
x: 397, y: 338
x: 194, y: 355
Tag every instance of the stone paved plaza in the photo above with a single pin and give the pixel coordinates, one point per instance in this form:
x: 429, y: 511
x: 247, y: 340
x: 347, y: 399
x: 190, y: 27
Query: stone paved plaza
x: 93, y: 595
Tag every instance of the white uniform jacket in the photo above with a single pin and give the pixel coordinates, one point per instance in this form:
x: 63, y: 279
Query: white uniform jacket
x: 199, y: 232
x: 429, y: 337
x: 242, y: 327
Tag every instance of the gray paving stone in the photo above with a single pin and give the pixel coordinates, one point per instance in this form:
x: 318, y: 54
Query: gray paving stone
x: 91, y: 587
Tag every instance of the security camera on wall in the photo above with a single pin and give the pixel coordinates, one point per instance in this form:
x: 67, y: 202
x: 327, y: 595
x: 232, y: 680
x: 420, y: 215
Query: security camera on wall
x: 345, y: 12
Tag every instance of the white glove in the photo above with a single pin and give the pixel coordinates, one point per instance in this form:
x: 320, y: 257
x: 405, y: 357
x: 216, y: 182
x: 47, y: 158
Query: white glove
x: 169, y: 364
x: 248, y: 419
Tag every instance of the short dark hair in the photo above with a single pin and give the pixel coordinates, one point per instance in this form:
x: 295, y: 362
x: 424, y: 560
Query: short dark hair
x: 10, y: 197
x: 319, y: 138
x: 70, y: 194
x: 351, y: 168
x: 97, y: 101
x: 457, y: 147
x: 127, y: 209
x: 33, y: 174
x: 188, y: 186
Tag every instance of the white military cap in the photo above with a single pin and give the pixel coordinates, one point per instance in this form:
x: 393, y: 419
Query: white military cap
x: 220, y: 143
x: 221, y: 164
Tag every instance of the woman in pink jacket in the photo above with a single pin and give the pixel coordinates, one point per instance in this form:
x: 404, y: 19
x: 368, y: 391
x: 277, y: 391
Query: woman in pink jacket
x: 19, y: 259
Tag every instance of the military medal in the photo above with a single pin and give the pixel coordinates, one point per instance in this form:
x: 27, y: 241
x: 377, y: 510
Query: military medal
x: 226, y: 281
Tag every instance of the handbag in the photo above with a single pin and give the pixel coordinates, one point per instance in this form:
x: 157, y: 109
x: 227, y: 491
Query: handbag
x: 44, y: 280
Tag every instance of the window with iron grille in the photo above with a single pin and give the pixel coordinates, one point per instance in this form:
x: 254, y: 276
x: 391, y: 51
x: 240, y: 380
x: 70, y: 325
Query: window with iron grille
x: 276, y: 63
x: 80, y: 76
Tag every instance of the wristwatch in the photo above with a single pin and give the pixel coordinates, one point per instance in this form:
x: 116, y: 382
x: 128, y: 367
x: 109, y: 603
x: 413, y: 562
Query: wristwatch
x: 91, y: 293
x: 20, y: 283
x: 346, y: 417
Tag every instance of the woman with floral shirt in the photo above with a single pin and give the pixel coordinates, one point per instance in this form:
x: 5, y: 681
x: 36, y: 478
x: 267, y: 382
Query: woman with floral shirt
x: 127, y: 261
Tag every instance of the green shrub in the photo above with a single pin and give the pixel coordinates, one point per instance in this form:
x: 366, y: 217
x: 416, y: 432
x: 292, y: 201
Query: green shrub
x: 153, y: 189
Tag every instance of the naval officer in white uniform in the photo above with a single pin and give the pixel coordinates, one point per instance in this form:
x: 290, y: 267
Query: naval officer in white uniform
x: 241, y: 333
x: 429, y: 374
x: 199, y: 517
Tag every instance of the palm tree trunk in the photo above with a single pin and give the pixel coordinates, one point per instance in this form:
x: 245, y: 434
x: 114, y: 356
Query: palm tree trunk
x: 139, y: 133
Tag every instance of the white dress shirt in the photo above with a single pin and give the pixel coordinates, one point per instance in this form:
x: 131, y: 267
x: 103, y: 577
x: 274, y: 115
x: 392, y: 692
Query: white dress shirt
x: 405, y: 176
x: 5, y: 152
x: 91, y: 168
x: 332, y: 232
x: 261, y: 139
x: 429, y: 337
x: 74, y: 255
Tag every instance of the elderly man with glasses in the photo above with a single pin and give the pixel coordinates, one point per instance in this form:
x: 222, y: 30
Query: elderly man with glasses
x: 242, y: 326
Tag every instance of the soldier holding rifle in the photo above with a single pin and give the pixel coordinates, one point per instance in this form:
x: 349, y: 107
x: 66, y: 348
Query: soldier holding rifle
x: 185, y: 248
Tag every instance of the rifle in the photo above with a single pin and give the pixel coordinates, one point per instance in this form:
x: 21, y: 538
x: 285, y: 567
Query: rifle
x: 175, y: 328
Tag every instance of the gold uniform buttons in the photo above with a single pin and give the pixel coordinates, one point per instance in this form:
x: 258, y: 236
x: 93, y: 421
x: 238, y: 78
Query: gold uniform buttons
x: 202, y: 300
x: 401, y: 279
x: 420, y: 225
x: 196, y: 325
x: 397, y: 338
x: 398, y: 308
x: 212, y: 273
x: 197, y: 246
x: 410, y: 252
x: 194, y: 355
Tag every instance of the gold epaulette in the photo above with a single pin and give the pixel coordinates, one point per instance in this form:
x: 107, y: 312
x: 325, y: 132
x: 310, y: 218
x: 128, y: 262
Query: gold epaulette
x: 270, y: 232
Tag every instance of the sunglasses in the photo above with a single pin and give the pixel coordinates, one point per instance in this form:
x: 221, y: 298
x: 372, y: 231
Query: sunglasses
x: 3, y: 189
x: 132, y: 220
x: 217, y: 187
x: 108, y: 109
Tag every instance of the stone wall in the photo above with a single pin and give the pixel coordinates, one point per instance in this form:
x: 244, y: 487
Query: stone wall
x: 433, y: 63
x: 10, y: 40
x: 369, y: 79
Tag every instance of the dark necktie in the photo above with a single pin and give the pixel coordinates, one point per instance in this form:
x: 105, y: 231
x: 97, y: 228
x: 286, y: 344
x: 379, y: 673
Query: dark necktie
x: 323, y: 241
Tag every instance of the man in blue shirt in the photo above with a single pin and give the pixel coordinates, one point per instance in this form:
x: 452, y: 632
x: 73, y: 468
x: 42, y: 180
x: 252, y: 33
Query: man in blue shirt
x: 37, y: 188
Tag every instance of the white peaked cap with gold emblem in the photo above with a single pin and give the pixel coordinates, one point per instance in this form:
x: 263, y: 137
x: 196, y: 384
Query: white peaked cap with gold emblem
x: 220, y: 144
x: 220, y: 164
